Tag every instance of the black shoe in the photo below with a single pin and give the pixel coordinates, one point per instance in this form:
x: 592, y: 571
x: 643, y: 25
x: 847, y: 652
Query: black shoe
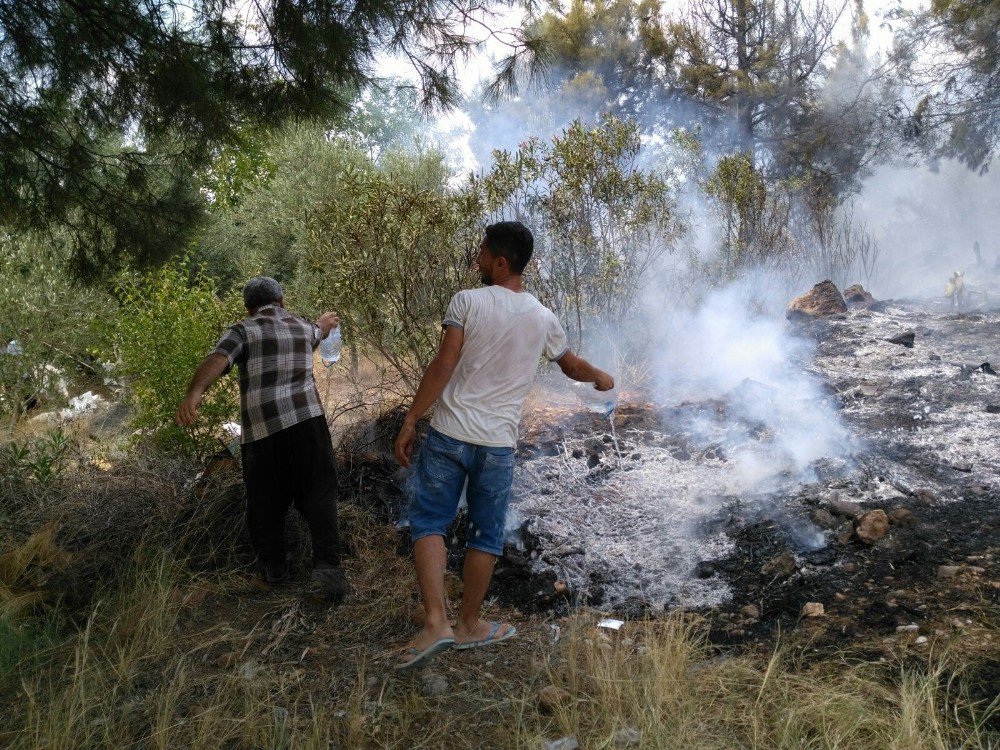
x: 332, y: 582
x: 275, y: 576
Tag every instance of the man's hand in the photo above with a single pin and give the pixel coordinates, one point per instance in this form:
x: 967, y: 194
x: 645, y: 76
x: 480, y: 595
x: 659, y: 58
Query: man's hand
x: 188, y: 410
x: 327, y: 322
x: 404, y: 444
x: 604, y: 382
x: 210, y: 369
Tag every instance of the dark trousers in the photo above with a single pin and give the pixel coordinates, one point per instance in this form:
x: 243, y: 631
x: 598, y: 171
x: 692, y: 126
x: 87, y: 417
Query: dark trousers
x: 295, y: 465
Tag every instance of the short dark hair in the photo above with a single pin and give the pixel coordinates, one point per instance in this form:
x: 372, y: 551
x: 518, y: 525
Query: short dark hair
x: 513, y: 241
x: 260, y: 291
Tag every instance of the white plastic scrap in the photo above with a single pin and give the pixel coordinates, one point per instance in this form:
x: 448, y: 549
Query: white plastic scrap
x: 81, y: 404
x: 611, y: 624
x: 233, y: 428
x: 14, y: 349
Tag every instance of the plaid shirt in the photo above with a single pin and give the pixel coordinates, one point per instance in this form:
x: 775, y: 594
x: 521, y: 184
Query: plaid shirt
x: 274, y: 352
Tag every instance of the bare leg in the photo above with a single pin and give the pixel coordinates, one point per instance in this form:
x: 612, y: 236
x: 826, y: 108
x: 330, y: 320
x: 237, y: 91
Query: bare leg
x: 476, y: 581
x: 429, y: 557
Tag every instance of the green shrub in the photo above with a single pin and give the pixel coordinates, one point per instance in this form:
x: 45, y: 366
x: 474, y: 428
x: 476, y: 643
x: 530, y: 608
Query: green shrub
x: 167, y: 322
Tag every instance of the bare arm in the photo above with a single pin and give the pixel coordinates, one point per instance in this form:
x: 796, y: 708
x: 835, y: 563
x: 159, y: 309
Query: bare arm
x: 577, y: 368
x: 432, y: 384
x: 210, y: 369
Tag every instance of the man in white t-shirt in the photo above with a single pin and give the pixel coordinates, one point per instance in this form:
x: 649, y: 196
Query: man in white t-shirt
x: 493, y: 339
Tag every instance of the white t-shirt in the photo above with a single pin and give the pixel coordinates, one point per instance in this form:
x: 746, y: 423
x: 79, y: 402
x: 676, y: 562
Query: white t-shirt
x: 505, y: 335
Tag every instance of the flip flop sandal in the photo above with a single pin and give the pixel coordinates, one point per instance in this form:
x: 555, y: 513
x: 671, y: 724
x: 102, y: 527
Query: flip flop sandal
x: 419, y: 657
x: 490, y: 639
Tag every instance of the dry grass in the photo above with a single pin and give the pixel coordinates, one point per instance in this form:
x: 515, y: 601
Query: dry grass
x: 659, y: 681
x: 135, y: 675
x: 153, y: 663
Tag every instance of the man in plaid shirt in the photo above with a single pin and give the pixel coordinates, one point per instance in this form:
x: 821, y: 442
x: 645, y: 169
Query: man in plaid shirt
x: 286, y: 447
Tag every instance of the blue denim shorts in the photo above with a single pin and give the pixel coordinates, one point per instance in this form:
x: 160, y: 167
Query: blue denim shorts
x: 443, y: 465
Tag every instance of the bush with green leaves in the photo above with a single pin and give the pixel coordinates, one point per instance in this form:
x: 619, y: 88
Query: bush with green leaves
x: 600, y: 221
x: 166, y: 323
x: 388, y: 251
x: 47, y: 331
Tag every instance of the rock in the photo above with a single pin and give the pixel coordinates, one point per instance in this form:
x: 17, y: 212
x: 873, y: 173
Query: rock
x: 911, y: 628
x: 948, y: 571
x: 872, y: 526
x: 856, y: 296
x: 564, y: 743
x: 921, y: 640
x: 595, y: 445
x: 704, y: 569
x: 822, y: 301
x: 845, y: 508
x: 750, y: 612
x: 627, y: 737
x: 781, y: 566
x: 993, y: 408
x: 927, y: 497
x: 812, y: 609
x: 418, y: 616
x: 593, y: 460
x: 226, y: 660
x: 433, y: 685
x: 904, y: 339
x: 903, y: 517
x: 845, y: 533
x: 824, y: 519
x: 578, y: 453
x: 934, y: 357
x: 561, y: 589
x: 551, y: 697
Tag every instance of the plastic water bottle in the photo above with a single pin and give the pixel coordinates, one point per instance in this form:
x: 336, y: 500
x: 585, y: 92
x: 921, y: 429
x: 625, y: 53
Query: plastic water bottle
x: 598, y: 402
x: 329, y: 348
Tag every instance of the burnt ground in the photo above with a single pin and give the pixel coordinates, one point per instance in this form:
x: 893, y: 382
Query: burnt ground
x: 648, y: 517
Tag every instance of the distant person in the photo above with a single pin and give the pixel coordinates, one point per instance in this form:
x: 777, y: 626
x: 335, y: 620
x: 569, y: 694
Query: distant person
x: 955, y: 290
x: 980, y: 263
x: 492, y: 342
x: 286, y: 447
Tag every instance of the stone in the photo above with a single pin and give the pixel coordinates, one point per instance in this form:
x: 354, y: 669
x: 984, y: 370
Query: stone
x: 927, y: 497
x: 595, y: 445
x: 903, y: 517
x: 781, y: 566
x: 812, y: 609
x: 993, y: 408
x: 845, y: 533
x: 578, y: 453
x: 563, y: 743
x: 921, y: 640
x: 872, y: 526
x: 934, y: 357
x: 911, y: 628
x: 845, y: 508
x: 226, y: 660
x: 561, y: 589
x: 418, y: 616
x: 593, y: 460
x: 948, y: 571
x: 905, y: 338
x: 750, y: 611
x: 856, y: 296
x: 433, y: 685
x: 627, y: 737
x: 551, y: 697
x: 822, y: 301
x: 824, y: 519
